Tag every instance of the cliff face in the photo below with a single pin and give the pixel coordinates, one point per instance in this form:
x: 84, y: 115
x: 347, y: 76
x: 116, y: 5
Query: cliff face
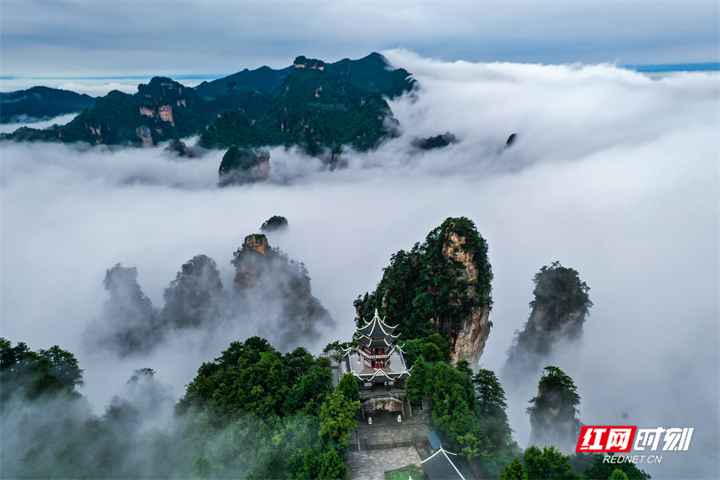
x: 243, y: 165
x: 467, y: 341
x: 555, y: 324
x: 441, y: 286
x: 269, y: 281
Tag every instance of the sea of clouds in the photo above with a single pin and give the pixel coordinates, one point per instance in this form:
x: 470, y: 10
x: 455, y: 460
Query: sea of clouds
x: 612, y: 173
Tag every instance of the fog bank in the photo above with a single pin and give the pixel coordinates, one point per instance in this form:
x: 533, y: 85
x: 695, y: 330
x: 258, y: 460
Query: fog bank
x: 613, y: 173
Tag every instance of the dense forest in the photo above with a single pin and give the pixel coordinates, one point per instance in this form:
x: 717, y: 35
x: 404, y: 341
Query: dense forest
x: 255, y: 412
x: 258, y: 411
x: 316, y: 106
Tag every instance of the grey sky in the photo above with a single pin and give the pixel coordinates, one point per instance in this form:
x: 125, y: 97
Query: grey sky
x: 139, y: 38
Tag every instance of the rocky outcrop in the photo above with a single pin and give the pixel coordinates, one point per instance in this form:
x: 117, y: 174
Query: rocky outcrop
x: 441, y: 286
x: 555, y: 324
x: 266, y: 277
x: 467, y: 342
x: 244, y: 165
x: 470, y: 340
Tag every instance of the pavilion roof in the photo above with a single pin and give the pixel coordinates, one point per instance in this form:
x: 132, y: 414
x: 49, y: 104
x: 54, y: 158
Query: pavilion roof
x: 376, y: 328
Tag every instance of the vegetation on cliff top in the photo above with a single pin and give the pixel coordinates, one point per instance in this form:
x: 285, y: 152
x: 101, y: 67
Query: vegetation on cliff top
x: 559, y: 307
x: 427, y: 290
x: 315, y: 108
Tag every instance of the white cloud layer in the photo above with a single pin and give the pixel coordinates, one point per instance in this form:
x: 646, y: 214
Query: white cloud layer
x: 613, y: 174
x: 71, y: 38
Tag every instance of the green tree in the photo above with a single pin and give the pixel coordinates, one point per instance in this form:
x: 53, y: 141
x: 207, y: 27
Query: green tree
x: 548, y: 463
x: 201, y: 467
x: 348, y: 386
x: 311, y: 467
x: 417, y: 385
x: 337, y: 418
x: 552, y: 411
x: 592, y: 465
x: 332, y: 466
x: 514, y: 471
x: 45, y: 372
x: 618, y: 475
x: 490, y: 394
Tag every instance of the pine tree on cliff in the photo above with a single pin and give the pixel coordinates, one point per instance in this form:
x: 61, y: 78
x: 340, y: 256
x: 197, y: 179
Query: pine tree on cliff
x: 559, y: 309
x: 440, y: 286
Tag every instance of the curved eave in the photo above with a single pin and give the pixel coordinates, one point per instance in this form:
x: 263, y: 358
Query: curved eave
x: 381, y: 376
x: 369, y: 329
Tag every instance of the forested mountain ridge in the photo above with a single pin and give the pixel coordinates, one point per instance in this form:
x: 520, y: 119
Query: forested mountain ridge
x: 314, y: 107
x: 38, y: 103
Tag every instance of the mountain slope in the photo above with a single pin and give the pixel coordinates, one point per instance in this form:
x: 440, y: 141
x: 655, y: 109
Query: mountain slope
x: 38, y: 103
x: 314, y: 105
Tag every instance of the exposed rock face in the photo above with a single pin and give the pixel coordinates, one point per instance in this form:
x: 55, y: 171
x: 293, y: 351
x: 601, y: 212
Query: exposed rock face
x: 441, y: 286
x: 145, y: 136
x: 166, y: 114
x: 190, y: 300
x: 470, y: 341
x: 266, y: 278
x: 244, y: 165
x: 467, y: 342
x: 555, y: 324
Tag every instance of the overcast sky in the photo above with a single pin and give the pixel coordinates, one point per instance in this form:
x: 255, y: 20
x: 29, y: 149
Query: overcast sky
x: 79, y: 39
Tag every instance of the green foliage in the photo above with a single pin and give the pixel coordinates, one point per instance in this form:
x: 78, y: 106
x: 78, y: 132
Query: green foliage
x: 231, y: 128
x: 476, y: 426
x: 560, y: 291
x: 429, y: 283
x: 332, y: 467
x: 548, y: 463
x: 555, y: 389
x: 252, y: 377
x: 201, y: 467
x: 274, y: 223
x: 35, y: 374
x: 337, y: 418
x: 433, y: 347
x: 417, y: 385
x: 552, y: 411
x: 336, y: 347
x: 348, y: 387
x: 592, y: 466
x: 238, y: 165
x: 514, y: 471
x: 414, y: 472
x: 618, y: 475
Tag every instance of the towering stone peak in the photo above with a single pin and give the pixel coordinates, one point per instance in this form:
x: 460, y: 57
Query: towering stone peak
x: 441, y: 286
x: 559, y: 309
x: 266, y: 277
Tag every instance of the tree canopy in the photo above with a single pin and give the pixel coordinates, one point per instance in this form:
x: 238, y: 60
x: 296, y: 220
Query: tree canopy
x: 430, y: 289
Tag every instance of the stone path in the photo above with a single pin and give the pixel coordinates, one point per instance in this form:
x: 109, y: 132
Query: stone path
x: 371, y: 464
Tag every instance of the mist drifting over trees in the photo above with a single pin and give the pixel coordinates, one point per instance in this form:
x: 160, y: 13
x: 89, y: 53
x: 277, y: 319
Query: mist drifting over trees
x: 622, y: 190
